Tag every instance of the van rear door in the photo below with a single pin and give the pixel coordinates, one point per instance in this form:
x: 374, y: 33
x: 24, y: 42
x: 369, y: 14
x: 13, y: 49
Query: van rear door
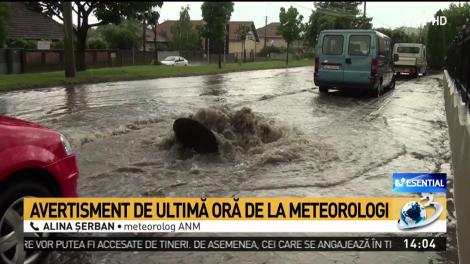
x: 358, y: 58
x: 332, y: 58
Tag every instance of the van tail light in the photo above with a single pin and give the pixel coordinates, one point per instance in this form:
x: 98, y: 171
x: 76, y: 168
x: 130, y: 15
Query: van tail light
x: 317, y: 65
x: 374, y: 67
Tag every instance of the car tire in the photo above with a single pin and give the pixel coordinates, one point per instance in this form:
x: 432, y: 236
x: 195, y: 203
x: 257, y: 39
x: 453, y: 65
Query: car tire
x: 323, y: 89
x: 11, y: 199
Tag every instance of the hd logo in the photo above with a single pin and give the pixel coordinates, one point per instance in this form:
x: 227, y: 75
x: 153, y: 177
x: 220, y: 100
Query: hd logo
x: 419, y: 182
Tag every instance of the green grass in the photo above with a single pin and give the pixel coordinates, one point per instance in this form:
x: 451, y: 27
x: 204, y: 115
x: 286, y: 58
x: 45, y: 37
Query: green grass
x: 10, y: 82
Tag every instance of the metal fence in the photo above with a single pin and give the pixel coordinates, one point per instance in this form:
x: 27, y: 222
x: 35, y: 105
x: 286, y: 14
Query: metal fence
x: 14, y: 61
x: 458, y: 62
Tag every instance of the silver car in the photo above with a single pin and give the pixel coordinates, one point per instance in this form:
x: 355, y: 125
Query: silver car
x: 175, y: 61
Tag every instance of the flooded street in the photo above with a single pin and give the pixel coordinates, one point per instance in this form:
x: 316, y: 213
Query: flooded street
x: 278, y: 137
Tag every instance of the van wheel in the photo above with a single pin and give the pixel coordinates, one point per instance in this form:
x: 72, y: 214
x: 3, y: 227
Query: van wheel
x: 323, y: 89
x: 378, y: 91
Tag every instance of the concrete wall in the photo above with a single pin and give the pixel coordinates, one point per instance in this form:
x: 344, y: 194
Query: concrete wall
x: 458, y: 120
x: 236, y: 46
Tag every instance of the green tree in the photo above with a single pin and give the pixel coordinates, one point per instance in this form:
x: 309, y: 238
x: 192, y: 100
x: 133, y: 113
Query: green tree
x: 105, y: 12
x: 436, y: 44
x: 290, y: 26
x: 242, y: 33
x: 4, y: 8
x: 439, y: 36
x: 362, y: 22
x: 185, y: 37
x: 217, y: 16
x: 335, y: 15
x: 97, y: 43
x: 153, y: 21
x: 123, y: 36
x: 398, y: 35
x: 149, y: 16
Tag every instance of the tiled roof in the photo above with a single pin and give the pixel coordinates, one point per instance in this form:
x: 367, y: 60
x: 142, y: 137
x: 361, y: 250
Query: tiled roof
x: 233, y: 27
x: 164, y: 29
x: 149, y: 36
x: 271, y: 30
x: 27, y: 24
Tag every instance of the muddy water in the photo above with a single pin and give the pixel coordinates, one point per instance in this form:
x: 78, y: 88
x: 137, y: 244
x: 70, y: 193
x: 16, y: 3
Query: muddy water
x: 279, y: 137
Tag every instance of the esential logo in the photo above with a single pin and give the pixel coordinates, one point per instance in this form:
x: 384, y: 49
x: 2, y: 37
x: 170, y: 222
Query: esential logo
x: 419, y: 182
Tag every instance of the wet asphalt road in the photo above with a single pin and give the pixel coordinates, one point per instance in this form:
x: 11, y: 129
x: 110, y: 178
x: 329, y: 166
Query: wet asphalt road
x: 337, y: 144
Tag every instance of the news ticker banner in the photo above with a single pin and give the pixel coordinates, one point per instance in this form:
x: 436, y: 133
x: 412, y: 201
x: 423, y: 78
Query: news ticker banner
x: 236, y: 243
x: 242, y: 215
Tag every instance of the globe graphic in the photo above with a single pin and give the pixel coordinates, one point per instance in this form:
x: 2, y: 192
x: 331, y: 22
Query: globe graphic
x: 413, y: 213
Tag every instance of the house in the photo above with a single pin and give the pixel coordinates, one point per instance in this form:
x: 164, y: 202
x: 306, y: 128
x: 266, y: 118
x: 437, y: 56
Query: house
x: 235, y: 43
x: 164, y: 35
x: 274, y: 39
x: 163, y: 42
x: 271, y: 35
x: 24, y: 23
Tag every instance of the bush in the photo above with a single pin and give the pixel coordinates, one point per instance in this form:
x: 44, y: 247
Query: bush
x: 97, y: 43
x: 57, y: 44
x: 21, y: 44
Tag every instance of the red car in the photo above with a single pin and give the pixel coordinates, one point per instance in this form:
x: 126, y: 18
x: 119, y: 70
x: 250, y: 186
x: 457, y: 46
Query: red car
x: 34, y: 161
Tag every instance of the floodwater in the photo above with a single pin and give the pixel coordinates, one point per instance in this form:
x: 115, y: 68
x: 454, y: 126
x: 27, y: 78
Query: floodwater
x: 278, y: 137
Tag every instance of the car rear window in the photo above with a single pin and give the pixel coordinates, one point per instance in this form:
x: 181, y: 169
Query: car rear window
x: 359, y: 45
x: 408, y: 49
x: 333, y: 44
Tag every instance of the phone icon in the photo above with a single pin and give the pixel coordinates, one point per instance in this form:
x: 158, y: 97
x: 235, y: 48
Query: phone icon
x: 33, y: 227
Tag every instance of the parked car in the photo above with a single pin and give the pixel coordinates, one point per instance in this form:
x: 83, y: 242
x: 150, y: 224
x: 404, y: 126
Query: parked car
x: 411, y: 59
x: 353, y: 60
x: 175, y: 61
x: 37, y: 162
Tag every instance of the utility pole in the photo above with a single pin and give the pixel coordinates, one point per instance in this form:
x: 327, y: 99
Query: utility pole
x: 365, y: 8
x: 143, y: 36
x: 208, y: 51
x: 68, y: 40
x: 265, y: 28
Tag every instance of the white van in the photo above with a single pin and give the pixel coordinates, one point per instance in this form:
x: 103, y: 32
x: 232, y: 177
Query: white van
x: 409, y: 58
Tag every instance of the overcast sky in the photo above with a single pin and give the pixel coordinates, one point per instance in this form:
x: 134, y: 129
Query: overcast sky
x: 384, y: 14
